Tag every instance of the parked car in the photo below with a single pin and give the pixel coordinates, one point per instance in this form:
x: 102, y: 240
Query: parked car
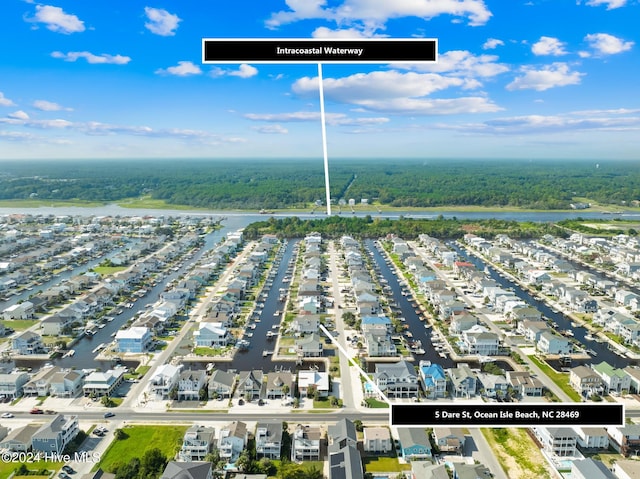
x: 68, y: 469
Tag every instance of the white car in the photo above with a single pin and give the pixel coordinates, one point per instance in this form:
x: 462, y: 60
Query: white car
x: 6, y: 415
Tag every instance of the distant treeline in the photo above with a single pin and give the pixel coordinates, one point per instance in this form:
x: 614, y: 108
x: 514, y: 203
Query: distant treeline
x: 268, y: 184
x: 407, y: 228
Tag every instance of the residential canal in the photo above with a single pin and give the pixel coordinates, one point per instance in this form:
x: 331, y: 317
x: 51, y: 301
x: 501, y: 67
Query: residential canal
x: 84, y: 357
x: 561, y: 321
x: 64, y: 275
x: 407, y: 310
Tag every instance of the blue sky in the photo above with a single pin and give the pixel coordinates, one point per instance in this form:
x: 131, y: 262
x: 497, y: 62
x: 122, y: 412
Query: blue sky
x: 515, y: 79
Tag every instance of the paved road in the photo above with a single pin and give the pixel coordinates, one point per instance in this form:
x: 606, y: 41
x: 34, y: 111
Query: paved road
x: 133, y: 397
x: 346, y: 385
x: 480, y: 450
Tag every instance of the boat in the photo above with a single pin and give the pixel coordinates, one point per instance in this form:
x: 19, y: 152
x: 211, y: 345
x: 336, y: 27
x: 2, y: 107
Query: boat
x: 592, y: 352
x: 574, y: 324
x: 271, y: 334
x: 589, y: 337
x: 69, y: 353
x: 99, y: 347
x: 243, y: 344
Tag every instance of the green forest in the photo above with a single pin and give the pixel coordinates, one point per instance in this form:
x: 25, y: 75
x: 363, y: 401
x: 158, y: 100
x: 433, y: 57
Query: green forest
x: 408, y: 228
x: 270, y: 184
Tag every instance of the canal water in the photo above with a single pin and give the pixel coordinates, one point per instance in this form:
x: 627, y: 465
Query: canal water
x: 84, y: 357
x: 80, y: 269
x: 407, y: 310
x: 561, y: 321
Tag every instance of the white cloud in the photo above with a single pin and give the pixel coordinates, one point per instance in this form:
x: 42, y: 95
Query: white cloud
x: 284, y: 117
x: 605, y: 44
x: 324, y: 32
x: 45, y: 105
x: 334, y: 119
x: 577, y: 121
x: 22, y: 119
x: 92, y: 58
x: 16, y: 136
x: 182, y: 69
x: 460, y: 63
x: 161, y: 22
x: 398, y: 93
x: 375, y: 13
x: 18, y: 115
x: 377, y: 84
x: 4, y: 101
x: 492, y: 43
x: 57, y: 20
x: 243, y: 71
x: 271, y: 129
x: 611, y: 4
x: 549, y: 46
x: 550, y: 76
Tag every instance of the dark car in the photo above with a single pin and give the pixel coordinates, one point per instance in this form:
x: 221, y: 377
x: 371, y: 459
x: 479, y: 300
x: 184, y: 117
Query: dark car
x: 63, y: 475
x: 68, y: 469
x: 109, y: 414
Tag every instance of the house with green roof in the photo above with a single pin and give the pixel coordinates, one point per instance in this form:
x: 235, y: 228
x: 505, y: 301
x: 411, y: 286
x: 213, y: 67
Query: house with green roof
x: 613, y: 379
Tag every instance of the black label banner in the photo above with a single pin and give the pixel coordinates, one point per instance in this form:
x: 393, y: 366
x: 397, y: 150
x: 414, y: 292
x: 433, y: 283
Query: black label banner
x: 289, y: 50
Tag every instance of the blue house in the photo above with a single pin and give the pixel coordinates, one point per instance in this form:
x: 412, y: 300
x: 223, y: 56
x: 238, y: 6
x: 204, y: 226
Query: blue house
x: 414, y: 443
x: 375, y: 322
x: 434, y: 380
x: 136, y: 339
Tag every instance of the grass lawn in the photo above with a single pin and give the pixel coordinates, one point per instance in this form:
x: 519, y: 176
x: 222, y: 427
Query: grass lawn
x: 106, y: 270
x: 561, y: 379
x: 19, y: 324
x: 375, y: 403
x: 517, y: 453
x: 7, y: 467
x: 334, y: 361
x: 384, y: 464
x: 322, y: 403
x: 204, y: 351
x: 32, y: 203
x: 148, y: 202
x: 142, y: 370
x: 141, y: 439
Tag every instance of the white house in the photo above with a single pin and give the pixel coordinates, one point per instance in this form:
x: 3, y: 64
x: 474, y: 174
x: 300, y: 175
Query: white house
x: 211, y: 335
x: 22, y: 310
x: 313, y: 378
x: 550, y: 343
x: 163, y: 380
